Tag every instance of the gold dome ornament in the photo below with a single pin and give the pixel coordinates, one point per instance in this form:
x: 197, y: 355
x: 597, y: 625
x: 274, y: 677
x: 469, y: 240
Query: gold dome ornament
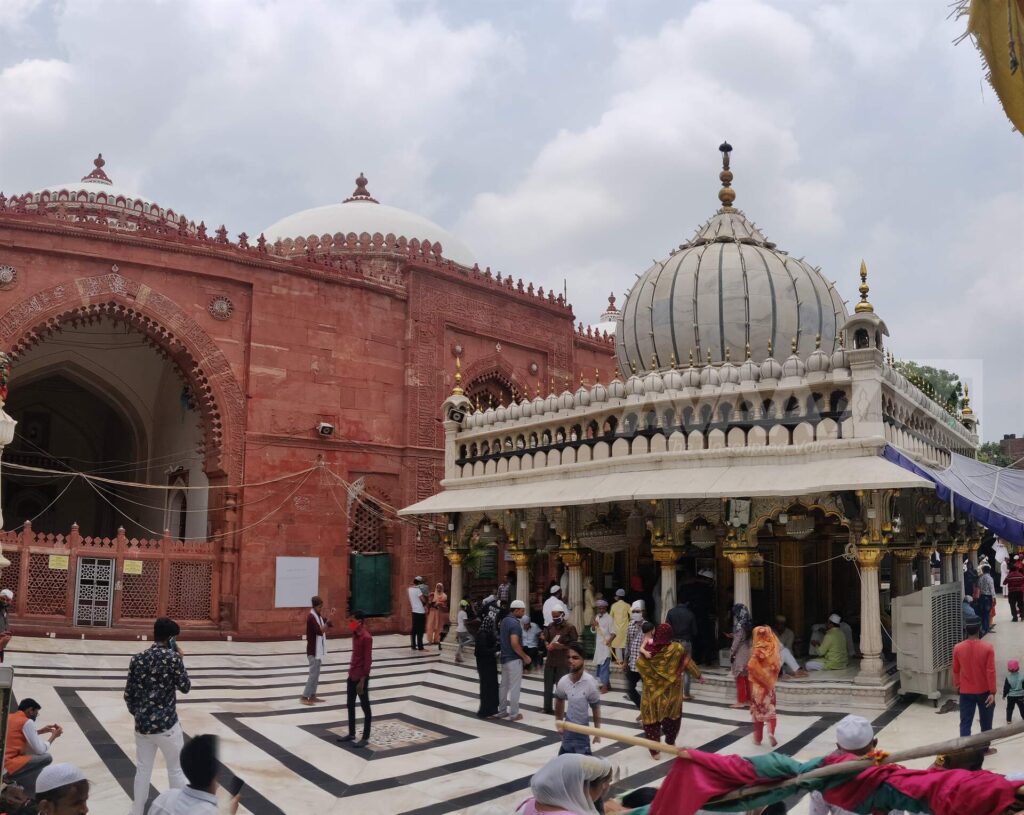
x: 457, y: 390
x: 864, y: 307
x: 726, y: 195
x: 966, y: 409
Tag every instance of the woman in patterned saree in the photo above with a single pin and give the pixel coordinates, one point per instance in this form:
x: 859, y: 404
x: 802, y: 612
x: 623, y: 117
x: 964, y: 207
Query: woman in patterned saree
x: 763, y: 672
x: 661, y: 667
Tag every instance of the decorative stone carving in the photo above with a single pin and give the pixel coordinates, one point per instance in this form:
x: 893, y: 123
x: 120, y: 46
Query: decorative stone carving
x: 8, y: 276
x: 221, y: 308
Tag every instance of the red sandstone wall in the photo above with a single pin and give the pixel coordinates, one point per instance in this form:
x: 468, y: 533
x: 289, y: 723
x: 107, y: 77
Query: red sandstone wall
x: 301, y: 347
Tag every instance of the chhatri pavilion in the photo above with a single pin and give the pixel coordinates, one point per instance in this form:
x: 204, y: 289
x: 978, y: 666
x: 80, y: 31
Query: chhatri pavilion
x: 758, y: 433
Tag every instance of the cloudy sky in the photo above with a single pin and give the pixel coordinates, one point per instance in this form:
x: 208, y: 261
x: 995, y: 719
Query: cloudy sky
x: 566, y: 140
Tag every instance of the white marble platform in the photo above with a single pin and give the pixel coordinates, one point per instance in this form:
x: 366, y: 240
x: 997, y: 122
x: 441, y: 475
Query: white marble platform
x: 433, y: 755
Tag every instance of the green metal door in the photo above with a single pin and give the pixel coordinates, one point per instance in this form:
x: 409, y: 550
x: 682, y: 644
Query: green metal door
x: 371, y: 584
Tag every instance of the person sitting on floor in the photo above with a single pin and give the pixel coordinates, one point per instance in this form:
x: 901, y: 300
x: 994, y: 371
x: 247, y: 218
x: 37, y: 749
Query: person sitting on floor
x: 26, y: 754
x: 832, y: 652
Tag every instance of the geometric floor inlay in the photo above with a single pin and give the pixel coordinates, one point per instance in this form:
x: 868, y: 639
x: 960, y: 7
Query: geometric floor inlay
x: 392, y: 735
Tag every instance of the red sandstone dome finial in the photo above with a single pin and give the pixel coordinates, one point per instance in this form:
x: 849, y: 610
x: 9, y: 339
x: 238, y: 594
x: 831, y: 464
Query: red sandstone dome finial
x: 97, y: 176
x: 361, y: 193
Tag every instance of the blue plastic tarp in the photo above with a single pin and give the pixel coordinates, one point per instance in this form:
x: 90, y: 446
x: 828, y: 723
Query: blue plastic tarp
x: 993, y: 496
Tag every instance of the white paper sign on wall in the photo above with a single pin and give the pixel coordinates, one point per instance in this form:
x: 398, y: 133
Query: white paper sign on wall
x: 298, y: 579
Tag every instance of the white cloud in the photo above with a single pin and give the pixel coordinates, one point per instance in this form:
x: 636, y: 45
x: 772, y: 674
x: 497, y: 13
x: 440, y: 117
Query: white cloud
x: 14, y: 13
x: 33, y: 96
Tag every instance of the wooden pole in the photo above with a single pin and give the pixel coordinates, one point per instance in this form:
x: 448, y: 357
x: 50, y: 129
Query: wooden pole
x: 843, y: 768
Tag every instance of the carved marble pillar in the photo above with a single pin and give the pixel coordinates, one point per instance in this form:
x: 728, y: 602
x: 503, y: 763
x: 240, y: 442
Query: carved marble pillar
x: 741, y: 559
x: 455, y: 590
x: 522, y: 559
x: 666, y: 557
x: 947, y: 549
x: 869, y: 557
x: 6, y: 437
x: 903, y: 557
x: 573, y: 560
x: 973, y: 553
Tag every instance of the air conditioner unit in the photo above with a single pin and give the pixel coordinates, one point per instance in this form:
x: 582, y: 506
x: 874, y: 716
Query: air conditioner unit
x: 926, y: 625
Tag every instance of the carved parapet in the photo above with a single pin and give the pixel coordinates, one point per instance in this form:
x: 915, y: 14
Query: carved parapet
x: 905, y: 553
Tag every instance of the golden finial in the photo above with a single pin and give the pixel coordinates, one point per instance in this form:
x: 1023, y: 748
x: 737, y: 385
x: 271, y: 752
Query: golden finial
x: 966, y: 411
x: 632, y: 365
x: 817, y: 341
x: 457, y: 390
x: 536, y: 393
x: 597, y: 376
x: 769, y: 347
x: 748, y: 350
x: 691, y: 357
x: 490, y: 401
x: 514, y: 394
x: 728, y: 355
x: 709, y: 356
x: 477, y: 403
x: 654, y: 361
x: 792, y: 345
x: 726, y: 195
x: 842, y: 340
x: 864, y: 307
x: 673, y: 363
x: 581, y: 379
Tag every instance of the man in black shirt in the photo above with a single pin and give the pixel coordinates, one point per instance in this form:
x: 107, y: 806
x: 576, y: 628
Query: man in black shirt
x: 684, y: 631
x: 153, y: 678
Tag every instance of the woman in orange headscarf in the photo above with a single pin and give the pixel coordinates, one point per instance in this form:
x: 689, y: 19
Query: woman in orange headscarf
x: 763, y: 672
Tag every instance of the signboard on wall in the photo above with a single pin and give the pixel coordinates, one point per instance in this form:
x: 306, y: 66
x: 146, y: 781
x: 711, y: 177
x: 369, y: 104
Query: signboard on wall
x: 298, y: 579
x: 59, y: 562
x: 132, y: 567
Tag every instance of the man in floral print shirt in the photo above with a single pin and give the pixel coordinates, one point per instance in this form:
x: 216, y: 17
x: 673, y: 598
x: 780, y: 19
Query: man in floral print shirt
x: 154, y: 676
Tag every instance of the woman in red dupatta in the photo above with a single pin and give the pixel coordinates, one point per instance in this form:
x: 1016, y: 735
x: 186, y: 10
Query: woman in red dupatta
x: 661, y: 666
x: 763, y: 672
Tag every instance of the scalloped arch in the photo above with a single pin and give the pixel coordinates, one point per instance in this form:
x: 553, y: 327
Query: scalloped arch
x: 168, y: 327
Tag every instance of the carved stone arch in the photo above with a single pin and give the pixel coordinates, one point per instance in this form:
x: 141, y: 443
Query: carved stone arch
x: 492, y: 375
x: 217, y: 394
x: 785, y: 505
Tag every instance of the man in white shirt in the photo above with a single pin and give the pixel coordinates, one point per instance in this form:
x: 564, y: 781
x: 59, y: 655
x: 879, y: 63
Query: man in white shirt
x: 554, y: 601
x: 419, y: 614
x: 200, y: 764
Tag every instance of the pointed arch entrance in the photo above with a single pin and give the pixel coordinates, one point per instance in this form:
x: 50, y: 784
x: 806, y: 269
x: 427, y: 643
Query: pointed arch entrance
x: 194, y: 404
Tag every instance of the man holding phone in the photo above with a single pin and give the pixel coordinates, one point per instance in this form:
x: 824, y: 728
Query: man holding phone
x: 316, y: 648
x: 154, y: 677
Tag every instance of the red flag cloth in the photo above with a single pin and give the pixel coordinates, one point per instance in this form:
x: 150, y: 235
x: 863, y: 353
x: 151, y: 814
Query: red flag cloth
x: 944, y: 792
x: 694, y: 781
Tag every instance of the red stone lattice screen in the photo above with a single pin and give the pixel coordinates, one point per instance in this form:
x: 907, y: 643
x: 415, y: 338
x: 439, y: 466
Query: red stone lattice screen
x: 178, y: 579
x: 11, y: 578
x: 140, y: 593
x: 366, y: 530
x: 188, y: 595
x: 47, y: 589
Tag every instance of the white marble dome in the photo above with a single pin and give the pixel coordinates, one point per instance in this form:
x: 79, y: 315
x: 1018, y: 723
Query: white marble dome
x: 725, y: 288
x: 361, y: 213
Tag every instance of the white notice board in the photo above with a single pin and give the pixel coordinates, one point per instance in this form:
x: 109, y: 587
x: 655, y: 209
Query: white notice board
x: 298, y: 579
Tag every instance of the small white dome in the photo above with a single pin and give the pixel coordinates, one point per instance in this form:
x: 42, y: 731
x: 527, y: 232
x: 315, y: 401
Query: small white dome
x: 565, y: 401
x: 582, y: 398
x: 489, y: 416
x: 818, y: 362
x: 770, y: 368
x: 501, y: 414
x: 598, y: 393
x: 673, y: 380
x: 728, y: 373
x: 750, y: 371
x: 793, y: 366
x: 362, y: 213
x: 526, y: 406
x: 634, y: 386
x: 709, y: 377
x: 840, y: 359
x: 616, y: 390
x: 515, y: 411
x: 653, y: 383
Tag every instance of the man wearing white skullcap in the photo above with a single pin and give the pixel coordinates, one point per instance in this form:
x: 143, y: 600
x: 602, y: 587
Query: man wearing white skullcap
x: 62, y: 789
x: 557, y: 636
x: 832, y: 653
x: 855, y: 735
x: 554, y: 599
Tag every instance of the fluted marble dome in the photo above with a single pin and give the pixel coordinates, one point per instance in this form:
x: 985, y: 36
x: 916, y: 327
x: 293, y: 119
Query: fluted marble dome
x: 725, y: 288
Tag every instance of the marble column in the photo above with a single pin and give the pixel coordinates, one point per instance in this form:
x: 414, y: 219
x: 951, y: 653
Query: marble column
x: 923, y: 566
x: 573, y: 561
x: 666, y: 558
x: 947, y: 550
x: 741, y: 560
x: 902, y: 571
x: 869, y: 557
x: 522, y: 560
x: 6, y: 437
x: 973, y: 555
x: 961, y: 574
x: 455, y: 590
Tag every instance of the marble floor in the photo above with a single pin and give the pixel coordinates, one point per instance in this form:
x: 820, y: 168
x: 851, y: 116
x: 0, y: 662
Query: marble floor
x: 428, y: 755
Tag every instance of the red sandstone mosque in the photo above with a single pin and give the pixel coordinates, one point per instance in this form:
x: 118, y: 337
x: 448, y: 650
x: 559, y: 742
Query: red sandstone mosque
x: 250, y: 411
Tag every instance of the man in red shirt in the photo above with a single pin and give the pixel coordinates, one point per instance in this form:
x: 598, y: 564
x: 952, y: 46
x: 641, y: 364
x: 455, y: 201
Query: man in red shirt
x: 974, y: 675
x: 359, y: 679
x: 1014, y: 583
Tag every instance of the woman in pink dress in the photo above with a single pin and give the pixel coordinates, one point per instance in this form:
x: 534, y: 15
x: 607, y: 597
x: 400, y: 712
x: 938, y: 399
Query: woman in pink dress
x: 437, y: 613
